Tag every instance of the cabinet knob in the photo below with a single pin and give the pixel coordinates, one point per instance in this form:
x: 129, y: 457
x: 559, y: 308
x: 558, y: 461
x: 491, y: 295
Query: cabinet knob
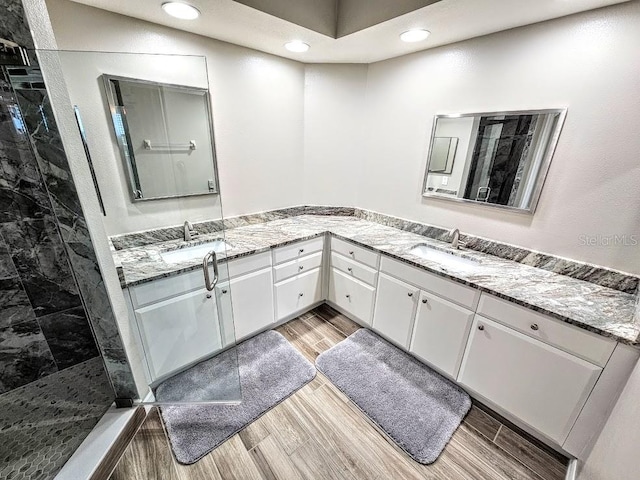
x: 348, y: 296
x: 351, y: 252
x: 301, y: 294
x: 300, y: 267
x: 534, y: 326
x: 480, y: 327
x: 224, y: 291
x: 208, y: 295
x: 350, y: 269
x: 410, y: 294
x: 424, y: 300
x: 302, y: 250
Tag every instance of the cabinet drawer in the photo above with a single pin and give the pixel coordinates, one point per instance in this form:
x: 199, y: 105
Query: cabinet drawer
x: 461, y: 294
x: 351, y: 295
x: 298, y: 293
x: 440, y: 333
x: 178, y: 332
x: 354, y: 252
x: 297, y: 250
x: 164, y: 288
x: 353, y: 269
x: 541, y: 385
x: 584, y: 344
x: 244, y: 265
x: 294, y: 267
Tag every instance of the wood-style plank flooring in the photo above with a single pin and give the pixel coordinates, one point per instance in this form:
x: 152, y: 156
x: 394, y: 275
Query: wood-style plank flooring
x: 318, y: 433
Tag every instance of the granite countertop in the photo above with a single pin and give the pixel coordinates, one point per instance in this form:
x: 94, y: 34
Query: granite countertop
x: 602, y: 310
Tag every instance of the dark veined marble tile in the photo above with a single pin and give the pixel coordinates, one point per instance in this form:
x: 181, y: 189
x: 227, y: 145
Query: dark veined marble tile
x: 69, y: 337
x: 44, y: 422
x: 51, y: 157
x: 14, y: 304
x: 24, y: 355
x: 42, y: 264
x: 14, y: 25
x: 25, y: 201
x: 120, y: 373
x: 6, y: 264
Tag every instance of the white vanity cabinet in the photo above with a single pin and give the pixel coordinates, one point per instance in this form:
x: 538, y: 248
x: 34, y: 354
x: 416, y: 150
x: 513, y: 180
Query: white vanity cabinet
x: 298, y: 274
x: 440, y: 333
x: 352, y: 279
x: 395, y: 309
x: 539, y: 384
x: 180, y: 322
x: 251, y: 300
x: 428, y: 315
x: 179, y: 331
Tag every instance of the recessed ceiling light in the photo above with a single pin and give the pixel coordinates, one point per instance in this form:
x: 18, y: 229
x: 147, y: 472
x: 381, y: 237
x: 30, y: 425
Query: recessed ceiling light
x: 297, y: 46
x: 181, y: 10
x: 415, y: 35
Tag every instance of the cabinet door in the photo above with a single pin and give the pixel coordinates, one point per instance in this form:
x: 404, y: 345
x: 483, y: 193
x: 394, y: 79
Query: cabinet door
x: 252, y: 303
x: 351, y: 295
x: 179, y: 331
x: 395, y: 308
x: 440, y: 333
x: 297, y: 294
x: 539, y: 384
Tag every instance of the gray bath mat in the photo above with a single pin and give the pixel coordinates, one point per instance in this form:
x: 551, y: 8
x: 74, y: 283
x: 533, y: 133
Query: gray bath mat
x: 271, y: 369
x: 417, y: 407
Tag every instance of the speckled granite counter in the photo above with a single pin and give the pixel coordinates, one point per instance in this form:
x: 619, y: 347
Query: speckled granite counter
x: 590, y: 306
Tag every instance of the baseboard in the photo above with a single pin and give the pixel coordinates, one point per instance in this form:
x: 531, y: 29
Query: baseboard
x: 572, y: 470
x: 99, y: 453
x: 108, y: 464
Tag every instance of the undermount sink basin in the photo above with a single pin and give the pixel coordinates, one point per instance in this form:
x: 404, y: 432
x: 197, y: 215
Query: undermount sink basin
x: 444, y: 258
x: 197, y: 251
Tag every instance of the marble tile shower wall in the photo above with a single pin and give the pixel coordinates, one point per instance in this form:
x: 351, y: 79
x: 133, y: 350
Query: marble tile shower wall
x: 53, y: 383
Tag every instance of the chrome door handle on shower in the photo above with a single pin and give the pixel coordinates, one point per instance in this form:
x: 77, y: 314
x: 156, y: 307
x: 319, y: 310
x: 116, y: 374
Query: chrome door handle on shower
x: 205, y: 267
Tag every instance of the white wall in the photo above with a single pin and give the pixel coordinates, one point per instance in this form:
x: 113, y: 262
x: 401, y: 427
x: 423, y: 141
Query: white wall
x: 257, y: 112
x: 334, y: 122
x: 587, y: 62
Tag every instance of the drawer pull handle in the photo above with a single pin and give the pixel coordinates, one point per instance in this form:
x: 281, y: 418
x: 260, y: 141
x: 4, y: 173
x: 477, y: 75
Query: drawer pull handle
x: 301, y: 294
x: 302, y: 250
x: 424, y: 300
x: 480, y: 327
x: 350, y: 269
x: 351, y: 252
x: 410, y: 294
x: 224, y: 291
x: 300, y: 267
x: 534, y: 326
x: 348, y: 296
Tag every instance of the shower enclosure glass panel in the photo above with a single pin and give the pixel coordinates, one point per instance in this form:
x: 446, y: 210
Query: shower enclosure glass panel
x: 148, y: 128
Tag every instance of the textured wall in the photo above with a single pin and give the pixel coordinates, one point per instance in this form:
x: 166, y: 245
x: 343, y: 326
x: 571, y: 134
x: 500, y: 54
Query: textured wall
x: 257, y: 107
x: 586, y: 62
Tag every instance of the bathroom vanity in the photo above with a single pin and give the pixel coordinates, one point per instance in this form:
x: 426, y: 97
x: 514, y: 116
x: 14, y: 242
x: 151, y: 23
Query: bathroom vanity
x: 503, y: 330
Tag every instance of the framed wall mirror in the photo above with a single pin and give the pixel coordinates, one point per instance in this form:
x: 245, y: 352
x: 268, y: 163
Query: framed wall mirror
x: 165, y: 138
x: 495, y: 158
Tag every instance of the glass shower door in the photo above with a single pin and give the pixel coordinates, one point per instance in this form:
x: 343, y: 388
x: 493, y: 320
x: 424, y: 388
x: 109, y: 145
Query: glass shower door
x: 147, y: 126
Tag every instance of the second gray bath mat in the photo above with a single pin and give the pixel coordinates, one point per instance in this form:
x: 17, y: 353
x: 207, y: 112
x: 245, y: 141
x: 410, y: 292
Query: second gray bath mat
x: 417, y: 407
x: 271, y: 369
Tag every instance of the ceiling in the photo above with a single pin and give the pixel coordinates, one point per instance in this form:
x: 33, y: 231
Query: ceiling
x: 448, y: 21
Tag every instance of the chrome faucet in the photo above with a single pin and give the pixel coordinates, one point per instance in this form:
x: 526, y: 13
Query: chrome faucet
x: 189, y: 232
x: 455, y: 239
